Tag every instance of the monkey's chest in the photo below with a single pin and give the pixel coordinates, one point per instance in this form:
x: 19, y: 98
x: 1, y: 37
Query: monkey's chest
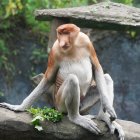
x: 81, y: 68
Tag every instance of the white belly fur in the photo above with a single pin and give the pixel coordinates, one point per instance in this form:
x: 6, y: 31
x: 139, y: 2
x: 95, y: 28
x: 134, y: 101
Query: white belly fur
x: 81, y: 68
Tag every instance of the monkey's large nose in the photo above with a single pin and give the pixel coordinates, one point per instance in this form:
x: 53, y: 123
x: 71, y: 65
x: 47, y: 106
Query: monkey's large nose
x: 62, y: 44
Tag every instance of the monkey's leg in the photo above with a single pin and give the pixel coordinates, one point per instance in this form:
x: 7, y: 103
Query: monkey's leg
x: 69, y: 100
x: 113, y: 125
x: 29, y: 100
x: 91, y: 98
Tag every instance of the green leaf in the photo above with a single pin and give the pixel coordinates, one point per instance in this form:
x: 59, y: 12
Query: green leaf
x: 42, y: 114
x: 38, y: 118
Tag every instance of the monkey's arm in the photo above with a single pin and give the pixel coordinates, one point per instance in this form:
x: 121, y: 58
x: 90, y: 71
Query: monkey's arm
x: 43, y: 86
x: 101, y: 84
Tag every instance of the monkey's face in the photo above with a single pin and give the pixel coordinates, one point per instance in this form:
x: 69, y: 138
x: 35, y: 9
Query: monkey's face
x: 66, y: 35
x: 64, y: 41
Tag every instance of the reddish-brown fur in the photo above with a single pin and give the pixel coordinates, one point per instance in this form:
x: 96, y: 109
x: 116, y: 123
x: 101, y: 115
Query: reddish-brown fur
x: 94, y: 57
x: 67, y: 28
x: 51, y: 63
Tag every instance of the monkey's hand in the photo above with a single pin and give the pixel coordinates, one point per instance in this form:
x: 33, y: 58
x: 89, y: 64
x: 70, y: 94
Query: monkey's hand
x: 86, y: 123
x: 113, y: 126
x: 12, y: 107
x: 110, y: 110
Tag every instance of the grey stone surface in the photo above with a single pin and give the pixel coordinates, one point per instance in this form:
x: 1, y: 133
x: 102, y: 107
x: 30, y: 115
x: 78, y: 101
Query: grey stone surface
x: 107, y: 15
x: 16, y: 126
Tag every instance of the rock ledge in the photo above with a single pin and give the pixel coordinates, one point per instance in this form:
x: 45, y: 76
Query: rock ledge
x: 16, y: 126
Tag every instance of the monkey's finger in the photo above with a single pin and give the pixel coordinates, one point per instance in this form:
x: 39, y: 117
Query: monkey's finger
x: 90, y: 121
x: 93, y: 130
x: 96, y: 130
x: 94, y: 126
x: 112, y: 129
x: 121, y: 138
x: 4, y: 105
x: 9, y: 106
x: 121, y: 134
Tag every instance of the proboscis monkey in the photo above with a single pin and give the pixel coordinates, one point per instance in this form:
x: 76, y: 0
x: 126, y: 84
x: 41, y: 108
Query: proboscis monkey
x: 71, y: 63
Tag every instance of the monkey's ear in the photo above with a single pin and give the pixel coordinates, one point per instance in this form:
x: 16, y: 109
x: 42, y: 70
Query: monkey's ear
x: 78, y: 29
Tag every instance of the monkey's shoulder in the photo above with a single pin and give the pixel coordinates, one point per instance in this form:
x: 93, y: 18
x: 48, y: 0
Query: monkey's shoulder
x: 82, y: 40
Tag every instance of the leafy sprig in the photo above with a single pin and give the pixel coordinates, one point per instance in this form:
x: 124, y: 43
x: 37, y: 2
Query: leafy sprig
x: 44, y: 114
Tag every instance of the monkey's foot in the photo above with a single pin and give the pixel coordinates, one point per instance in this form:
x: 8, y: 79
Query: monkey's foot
x: 12, y: 107
x: 114, y: 126
x: 86, y: 123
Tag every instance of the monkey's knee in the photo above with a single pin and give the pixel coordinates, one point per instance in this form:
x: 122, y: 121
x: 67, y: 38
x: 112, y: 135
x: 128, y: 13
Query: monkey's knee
x: 71, y: 87
x: 72, y: 95
x: 73, y: 80
x: 108, y: 79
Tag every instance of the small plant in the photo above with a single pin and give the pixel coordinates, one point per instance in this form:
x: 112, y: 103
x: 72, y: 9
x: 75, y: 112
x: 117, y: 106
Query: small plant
x: 44, y: 114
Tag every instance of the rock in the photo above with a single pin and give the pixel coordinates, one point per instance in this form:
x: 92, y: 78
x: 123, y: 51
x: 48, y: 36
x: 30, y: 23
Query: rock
x: 17, y: 126
x: 105, y: 15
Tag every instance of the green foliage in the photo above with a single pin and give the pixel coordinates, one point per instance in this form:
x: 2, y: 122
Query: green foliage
x: 44, y: 114
x: 127, y: 2
x: 13, y: 7
x: 4, y: 53
x: 38, y: 55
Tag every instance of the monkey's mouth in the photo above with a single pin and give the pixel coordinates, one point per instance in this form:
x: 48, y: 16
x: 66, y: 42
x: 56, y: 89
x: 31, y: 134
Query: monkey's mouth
x: 65, y: 47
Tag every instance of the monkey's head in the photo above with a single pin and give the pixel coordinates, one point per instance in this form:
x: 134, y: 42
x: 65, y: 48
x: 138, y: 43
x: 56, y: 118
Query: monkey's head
x: 66, y: 35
